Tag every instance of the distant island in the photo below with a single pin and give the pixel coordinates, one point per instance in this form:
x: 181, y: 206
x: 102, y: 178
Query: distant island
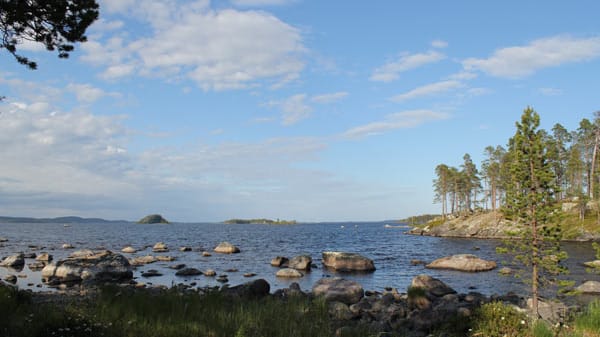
x: 419, y: 219
x: 259, y: 221
x: 153, y: 219
x: 64, y: 219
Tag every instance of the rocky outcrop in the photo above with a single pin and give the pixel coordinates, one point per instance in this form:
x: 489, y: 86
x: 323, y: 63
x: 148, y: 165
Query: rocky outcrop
x: 488, y: 225
x: 153, y: 219
x: 288, y: 273
x: 226, y: 248
x: 462, y: 262
x: 13, y: 261
x: 102, y: 266
x: 301, y: 262
x: 337, y: 289
x: 347, y: 262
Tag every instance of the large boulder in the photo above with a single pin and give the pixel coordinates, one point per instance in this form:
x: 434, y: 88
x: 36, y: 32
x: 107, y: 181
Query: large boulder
x: 253, y: 289
x: 593, y: 264
x: 301, y: 262
x: 226, y: 248
x: 17, y: 260
x: 288, y: 273
x: 338, y: 289
x: 347, y: 262
x: 462, y: 262
x: 102, y: 266
x: 431, y: 285
x: 589, y: 287
x: 152, y: 219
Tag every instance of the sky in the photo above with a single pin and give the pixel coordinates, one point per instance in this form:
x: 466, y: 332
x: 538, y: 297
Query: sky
x: 291, y: 109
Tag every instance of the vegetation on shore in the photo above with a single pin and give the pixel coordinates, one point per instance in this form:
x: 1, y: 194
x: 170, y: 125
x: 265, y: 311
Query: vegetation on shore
x: 153, y: 219
x: 259, y: 222
x: 421, y: 219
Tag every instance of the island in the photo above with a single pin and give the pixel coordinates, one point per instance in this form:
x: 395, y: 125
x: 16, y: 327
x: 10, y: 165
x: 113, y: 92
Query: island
x: 153, y: 219
x: 259, y: 222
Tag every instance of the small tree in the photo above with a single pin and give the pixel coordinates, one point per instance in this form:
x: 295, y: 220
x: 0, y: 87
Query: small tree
x: 530, y: 203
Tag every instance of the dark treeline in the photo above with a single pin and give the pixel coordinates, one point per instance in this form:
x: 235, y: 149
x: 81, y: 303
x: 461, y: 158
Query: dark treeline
x: 572, y: 155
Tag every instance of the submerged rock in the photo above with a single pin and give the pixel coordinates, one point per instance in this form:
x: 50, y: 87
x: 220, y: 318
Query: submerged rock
x: 188, y: 272
x: 348, y: 262
x: 462, y: 262
x: 338, y: 289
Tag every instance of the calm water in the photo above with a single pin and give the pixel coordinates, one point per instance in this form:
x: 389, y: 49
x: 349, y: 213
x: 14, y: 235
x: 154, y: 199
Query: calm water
x: 390, y: 249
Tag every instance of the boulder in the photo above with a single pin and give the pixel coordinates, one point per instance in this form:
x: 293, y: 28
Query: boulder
x: 589, y: 287
x: 44, y: 257
x: 3, y: 239
x: 209, y: 272
x: 185, y: 249
x: 165, y: 258
x: 226, y: 248
x: 141, y: 260
x: 67, y: 246
x: 160, y: 247
x: 347, y: 262
x: 177, y: 266
x: 83, y: 253
x: 301, y: 262
x: 279, y: 261
x: 17, y: 260
x: 338, y: 289
x: 128, y: 250
x: 151, y: 273
x: 206, y: 254
x: 11, y: 279
x: 462, y: 262
x: 188, y: 272
x: 593, y: 264
x: 153, y: 219
x: 253, y: 289
x: 288, y: 273
x: 505, y: 271
x: 102, y: 266
x: 431, y: 285
x: 37, y: 265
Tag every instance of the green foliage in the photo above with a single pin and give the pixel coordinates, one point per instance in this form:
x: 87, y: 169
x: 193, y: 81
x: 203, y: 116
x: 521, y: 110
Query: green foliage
x: 415, y: 292
x: 55, y: 24
x: 497, y: 319
x: 589, y: 321
x: 542, y: 329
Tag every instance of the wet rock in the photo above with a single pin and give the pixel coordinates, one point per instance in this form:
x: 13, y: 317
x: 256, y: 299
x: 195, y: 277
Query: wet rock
x: 30, y: 255
x: 67, y: 246
x: 83, y: 253
x: 188, y: 272
x: 226, y: 248
x: 142, y: 260
x: 279, y: 261
x: 11, y: 279
x: 301, y: 262
x: 416, y: 262
x: 338, y: 289
x: 185, y: 249
x: 151, y: 273
x: 249, y: 274
x: 348, y: 262
x: 160, y: 247
x: 13, y: 261
x: 103, y: 266
x: 505, y: 271
x: 164, y: 258
x: 288, y: 273
x: 222, y: 279
x: 462, y: 262
x: 431, y: 285
x: 206, y: 254
x: 253, y: 289
x: 589, y: 287
x: 3, y: 239
x: 129, y: 250
x: 177, y: 266
x: 44, y: 257
x: 37, y: 265
x: 231, y: 270
x: 210, y: 272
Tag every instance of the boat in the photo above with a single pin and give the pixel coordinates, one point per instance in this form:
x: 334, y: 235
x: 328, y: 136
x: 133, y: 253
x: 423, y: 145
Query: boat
x: 399, y: 226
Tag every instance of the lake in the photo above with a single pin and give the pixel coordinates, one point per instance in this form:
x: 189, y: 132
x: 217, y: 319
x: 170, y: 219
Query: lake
x: 390, y: 249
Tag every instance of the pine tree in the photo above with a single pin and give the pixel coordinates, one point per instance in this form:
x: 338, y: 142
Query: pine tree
x: 530, y: 202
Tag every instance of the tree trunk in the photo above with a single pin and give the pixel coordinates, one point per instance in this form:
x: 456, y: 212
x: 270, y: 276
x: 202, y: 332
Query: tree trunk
x: 593, y: 169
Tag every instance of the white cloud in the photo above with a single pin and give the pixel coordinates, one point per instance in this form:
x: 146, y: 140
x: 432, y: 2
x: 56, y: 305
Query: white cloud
x: 399, y: 120
x: 439, y: 44
x: 550, y: 91
x: 521, y: 61
x: 293, y: 109
x: 252, y: 3
x: 86, y: 93
x: 218, y: 49
x: 329, y: 98
x: 391, y: 70
x: 428, y: 90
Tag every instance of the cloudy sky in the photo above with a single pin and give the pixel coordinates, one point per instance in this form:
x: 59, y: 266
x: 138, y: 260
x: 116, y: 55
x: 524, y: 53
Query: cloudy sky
x: 292, y: 109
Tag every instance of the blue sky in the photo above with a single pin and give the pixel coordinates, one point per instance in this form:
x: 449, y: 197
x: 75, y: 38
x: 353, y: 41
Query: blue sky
x: 292, y: 109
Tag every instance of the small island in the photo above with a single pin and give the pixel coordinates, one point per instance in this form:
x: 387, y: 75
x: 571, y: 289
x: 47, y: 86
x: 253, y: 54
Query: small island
x: 259, y: 222
x: 153, y: 219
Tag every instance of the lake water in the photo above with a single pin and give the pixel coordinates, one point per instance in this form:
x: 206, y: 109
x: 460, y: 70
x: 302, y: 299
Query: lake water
x: 391, y: 250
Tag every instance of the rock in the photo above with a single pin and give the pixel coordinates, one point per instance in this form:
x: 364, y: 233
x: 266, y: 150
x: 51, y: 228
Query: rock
x: 416, y: 262
x: 3, y: 239
x: 347, y: 262
x: 226, y: 248
x: 549, y: 310
x: 462, y: 262
x: 589, y: 287
x: 253, y: 289
x: 209, y: 272
x: 206, y: 254
x: 188, y: 272
x: 151, y: 273
x: 17, y: 260
x: 36, y: 266
x: 44, y: 257
x: 160, y: 247
x: 338, y: 289
x: 103, y: 266
x: 288, y: 273
x: 67, y: 246
x: 83, y: 253
x: 505, y: 271
x: 153, y: 219
x: 301, y: 262
x: 129, y: 250
x: 30, y: 255
x: 164, y: 258
x: 279, y: 261
x: 185, y: 249
x: 340, y: 311
x: 249, y: 274
x: 11, y: 279
x: 231, y: 270
x: 177, y: 266
x: 593, y: 264
x: 431, y: 285
x: 222, y: 279
x: 141, y: 260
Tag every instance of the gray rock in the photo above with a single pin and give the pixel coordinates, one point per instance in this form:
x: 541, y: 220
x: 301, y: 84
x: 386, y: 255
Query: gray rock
x: 160, y: 247
x: 67, y: 246
x: 17, y: 260
x: 226, y: 248
x: 185, y: 249
x: 431, y: 285
x: 188, y: 272
x: 37, y: 265
x: 301, y: 262
x: 177, y: 266
x: 279, y: 261
x: 288, y: 273
x: 83, y: 253
x: 44, y: 257
x: 209, y: 272
x: 462, y: 262
x: 103, y: 266
x: 11, y: 279
x: 338, y: 289
x: 253, y: 289
x: 589, y: 287
x: 151, y: 273
x: 142, y: 260
x: 593, y: 264
x: 340, y: 311
x: 3, y: 239
x: 348, y: 262
x: 129, y: 250
x: 505, y: 271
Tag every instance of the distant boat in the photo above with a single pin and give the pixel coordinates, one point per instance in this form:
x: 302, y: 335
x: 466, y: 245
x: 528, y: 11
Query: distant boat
x: 66, y: 225
x: 399, y: 226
